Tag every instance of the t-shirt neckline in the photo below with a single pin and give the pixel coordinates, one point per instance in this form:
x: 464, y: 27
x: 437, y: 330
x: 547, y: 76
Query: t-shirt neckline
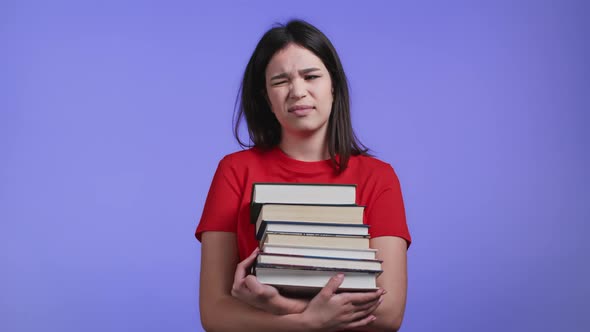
x: 320, y: 166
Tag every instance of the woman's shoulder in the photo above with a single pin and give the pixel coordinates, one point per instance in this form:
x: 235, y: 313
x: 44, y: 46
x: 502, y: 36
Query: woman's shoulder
x: 245, y: 157
x: 372, y: 163
x: 374, y: 169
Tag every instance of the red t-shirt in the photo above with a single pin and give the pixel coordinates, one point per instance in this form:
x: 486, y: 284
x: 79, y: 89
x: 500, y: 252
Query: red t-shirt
x: 227, y: 207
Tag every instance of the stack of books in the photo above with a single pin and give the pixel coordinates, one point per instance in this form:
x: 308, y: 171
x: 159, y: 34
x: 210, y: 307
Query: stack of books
x: 309, y: 233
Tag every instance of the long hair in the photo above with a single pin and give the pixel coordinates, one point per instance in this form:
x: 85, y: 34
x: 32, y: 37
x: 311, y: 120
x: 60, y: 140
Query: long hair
x: 263, y: 128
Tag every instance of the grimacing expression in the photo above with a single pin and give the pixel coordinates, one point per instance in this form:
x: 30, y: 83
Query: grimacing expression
x: 299, y: 91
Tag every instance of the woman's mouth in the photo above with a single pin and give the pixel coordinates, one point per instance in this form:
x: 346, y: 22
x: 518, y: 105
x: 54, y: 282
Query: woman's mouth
x: 300, y: 110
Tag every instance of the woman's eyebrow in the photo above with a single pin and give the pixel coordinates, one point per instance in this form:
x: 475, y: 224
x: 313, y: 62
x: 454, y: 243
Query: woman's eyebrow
x: 279, y: 76
x: 308, y: 70
x: 301, y: 72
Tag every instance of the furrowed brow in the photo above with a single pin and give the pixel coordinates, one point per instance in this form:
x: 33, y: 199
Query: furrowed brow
x: 301, y: 72
x: 308, y: 70
x: 279, y: 76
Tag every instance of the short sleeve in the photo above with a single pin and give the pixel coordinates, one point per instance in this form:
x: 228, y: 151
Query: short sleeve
x: 220, y: 212
x: 386, y: 214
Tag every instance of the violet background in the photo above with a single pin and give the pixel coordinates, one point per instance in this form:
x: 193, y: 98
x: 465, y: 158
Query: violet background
x: 114, y: 115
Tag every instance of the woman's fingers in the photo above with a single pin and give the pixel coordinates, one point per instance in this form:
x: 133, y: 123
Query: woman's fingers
x: 368, y: 305
x: 360, y: 323
x: 255, y: 287
x: 242, y: 267
x: 343, y: 310
x: 362, y: 298
x: 241, y: 273
x: 364, y: 312
x: 331, y: 287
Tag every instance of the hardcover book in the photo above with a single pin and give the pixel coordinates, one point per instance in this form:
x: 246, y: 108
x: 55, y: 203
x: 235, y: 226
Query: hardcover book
x: 303, y: 281
x: 316, y: 239
x: 373, y: 265
x: 319, y: 251
x: 308, y: 227
x: 300, y: 193
x: 343, y: 214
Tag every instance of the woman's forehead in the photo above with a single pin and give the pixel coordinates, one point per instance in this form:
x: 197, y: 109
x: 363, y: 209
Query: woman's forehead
x: 293, y: 58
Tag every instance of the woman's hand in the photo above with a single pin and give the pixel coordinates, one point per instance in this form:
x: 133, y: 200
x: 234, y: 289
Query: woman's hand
x: 329, y: 311
x: 247, y: 289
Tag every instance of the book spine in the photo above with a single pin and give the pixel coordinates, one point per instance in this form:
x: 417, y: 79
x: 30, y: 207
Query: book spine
x: 322, y: 257
x: 322, y: 234
x: 256, y: 208
x: 254, y: 211
x: 261, y: 231
x: 315, y: 268
x: 264, y: 223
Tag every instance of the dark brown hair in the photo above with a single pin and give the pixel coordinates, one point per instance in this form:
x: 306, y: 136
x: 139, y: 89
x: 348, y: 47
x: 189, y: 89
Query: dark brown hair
x: 263, y: 127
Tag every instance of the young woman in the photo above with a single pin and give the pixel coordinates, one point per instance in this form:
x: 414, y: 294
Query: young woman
x: 295, y: 100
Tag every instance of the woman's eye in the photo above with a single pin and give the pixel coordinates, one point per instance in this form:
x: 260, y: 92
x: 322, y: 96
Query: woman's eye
x: 311, y: 77
x: 279, y: 83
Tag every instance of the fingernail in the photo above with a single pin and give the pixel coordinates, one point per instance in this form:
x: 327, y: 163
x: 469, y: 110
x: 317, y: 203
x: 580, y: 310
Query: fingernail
x: 340, y: 275
x: 380, y: 299
x: 373, y: 318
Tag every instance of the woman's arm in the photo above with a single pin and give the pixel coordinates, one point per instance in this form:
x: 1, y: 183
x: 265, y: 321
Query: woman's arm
x: 220, y: 311
x: 394, y: 279
x: 247, y: 289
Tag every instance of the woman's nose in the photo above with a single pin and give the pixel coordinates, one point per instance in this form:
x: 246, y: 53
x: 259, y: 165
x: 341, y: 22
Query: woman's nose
x: 297, y: 89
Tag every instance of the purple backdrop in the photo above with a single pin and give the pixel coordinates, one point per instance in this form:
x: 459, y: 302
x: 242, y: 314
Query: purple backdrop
x: 114, y: 114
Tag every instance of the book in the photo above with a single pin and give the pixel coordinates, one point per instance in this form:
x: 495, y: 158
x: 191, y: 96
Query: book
x: 301, y: 281
x: 300, y: 193
x: 309, y: 227
x: 319, y: 251
x: 316, y: 231
x: 343, y: 214
x: 304, y: 193
x: 316, y: 239
x: 373, y: 265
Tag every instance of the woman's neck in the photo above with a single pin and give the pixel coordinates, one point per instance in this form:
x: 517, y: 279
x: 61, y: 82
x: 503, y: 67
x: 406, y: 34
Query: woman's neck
x: 313, y: 148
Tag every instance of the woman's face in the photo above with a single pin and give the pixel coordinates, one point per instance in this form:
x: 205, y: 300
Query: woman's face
x: 299, y: 91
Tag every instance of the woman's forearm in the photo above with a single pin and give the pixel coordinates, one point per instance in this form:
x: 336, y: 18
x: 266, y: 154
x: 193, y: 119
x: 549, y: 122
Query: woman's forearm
x: 387, y: 321
x: 230, y: 314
